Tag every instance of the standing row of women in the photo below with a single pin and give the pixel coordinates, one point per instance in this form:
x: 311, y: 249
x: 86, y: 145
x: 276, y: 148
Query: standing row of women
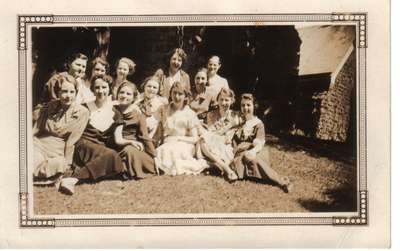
x: 97, y: 127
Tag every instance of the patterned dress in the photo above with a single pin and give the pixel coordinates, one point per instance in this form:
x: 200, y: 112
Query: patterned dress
x: 219, y: 134
x: 55, y: 132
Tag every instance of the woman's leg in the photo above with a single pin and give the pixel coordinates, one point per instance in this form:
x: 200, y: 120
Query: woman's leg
x: 218, y: 162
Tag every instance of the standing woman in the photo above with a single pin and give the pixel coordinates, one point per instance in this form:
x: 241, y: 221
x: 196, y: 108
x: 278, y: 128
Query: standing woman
x: 125, y: 67
x: 97, y: 67
x: 93, y: 157
x: 59, y: 125
x: 135, y: 147
x: 176, y: 156
x: 174, y: 73
x: 75, y: 66
x: 251, y: 158
x: 215, y: 81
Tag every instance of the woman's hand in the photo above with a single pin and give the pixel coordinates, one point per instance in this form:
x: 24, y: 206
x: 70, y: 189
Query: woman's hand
x: 250, y: 155
x: 137, y: 145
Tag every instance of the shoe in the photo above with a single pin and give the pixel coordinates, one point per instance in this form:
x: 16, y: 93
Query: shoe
x: 67, y: 185
x: 232, y: 176
x: 287, y: 186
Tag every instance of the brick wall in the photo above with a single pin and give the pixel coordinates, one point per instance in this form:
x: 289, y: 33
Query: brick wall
x: 335, y: 107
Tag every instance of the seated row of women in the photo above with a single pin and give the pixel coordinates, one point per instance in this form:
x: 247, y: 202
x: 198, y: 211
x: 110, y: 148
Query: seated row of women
x: 137, y: 135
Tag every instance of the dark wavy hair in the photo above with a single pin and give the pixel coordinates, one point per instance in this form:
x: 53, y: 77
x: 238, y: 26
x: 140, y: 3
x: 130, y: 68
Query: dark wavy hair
x: 249, y: 96
x: 72, y: 58
x: 106, y: 78
x: 98, y: 60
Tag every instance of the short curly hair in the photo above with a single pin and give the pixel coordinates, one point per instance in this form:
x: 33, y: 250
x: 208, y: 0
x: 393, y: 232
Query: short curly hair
x: 131, y: 64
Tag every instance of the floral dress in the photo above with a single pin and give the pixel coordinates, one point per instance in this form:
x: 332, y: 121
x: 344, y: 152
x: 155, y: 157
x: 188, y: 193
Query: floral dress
x: 217, y: 137
x: 55, y: 132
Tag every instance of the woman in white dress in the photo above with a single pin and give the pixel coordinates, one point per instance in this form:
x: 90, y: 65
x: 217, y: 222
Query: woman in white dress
x: 180, y: 125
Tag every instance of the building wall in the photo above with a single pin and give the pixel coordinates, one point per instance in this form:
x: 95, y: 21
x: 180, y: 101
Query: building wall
x: 335, y: 107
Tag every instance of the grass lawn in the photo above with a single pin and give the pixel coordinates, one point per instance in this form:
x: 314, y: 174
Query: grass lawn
x: 323, y: 182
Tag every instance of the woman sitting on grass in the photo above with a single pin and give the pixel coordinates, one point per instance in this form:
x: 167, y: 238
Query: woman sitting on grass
x: 176, y: 156
x: 93, y: 157
x: 150, y: 102
x: 135, y: 146
x: 59, y: 125
x: 251, y: 157
x: 215, y: 142
x: 202, y: 96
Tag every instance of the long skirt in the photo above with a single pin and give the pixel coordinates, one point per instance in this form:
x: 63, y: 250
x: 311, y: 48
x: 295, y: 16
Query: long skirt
x: 137, y: 163
x: 98, y: 159
x: 177, y: 158
x: 48, y: 157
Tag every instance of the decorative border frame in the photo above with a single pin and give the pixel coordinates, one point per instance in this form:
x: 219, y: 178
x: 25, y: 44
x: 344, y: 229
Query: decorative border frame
x: 358, y: 19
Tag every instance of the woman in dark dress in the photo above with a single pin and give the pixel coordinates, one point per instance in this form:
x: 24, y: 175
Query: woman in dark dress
x: 93, y: 157
x: 135, y: 146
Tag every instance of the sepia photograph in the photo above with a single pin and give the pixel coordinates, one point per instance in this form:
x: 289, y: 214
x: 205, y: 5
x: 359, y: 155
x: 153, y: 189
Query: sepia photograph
x: 194, y: 119
x: 196, y: 124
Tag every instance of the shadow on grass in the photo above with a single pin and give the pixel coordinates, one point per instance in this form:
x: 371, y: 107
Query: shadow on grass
x: 316, y: 148
x: 341, y: 199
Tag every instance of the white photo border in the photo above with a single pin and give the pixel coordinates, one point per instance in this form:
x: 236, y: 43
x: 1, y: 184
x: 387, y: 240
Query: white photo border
x: 24, y: 23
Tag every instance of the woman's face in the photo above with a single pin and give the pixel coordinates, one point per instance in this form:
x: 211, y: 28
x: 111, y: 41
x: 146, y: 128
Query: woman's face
x: 151, y: 89
x: 247, y: 107
x: 175, y: 62
x: 200, y: 81
x: 213, y: 66
x: 98, y: 70
x: 224, y: 102
x: 177, y: 96
x: 122, y: 70
x: 78, y: 67
x: 101, y: 89
x: 67, y: 93
x: 126, y: 95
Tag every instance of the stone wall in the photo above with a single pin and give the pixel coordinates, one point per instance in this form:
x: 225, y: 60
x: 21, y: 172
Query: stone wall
x: 335, y: 107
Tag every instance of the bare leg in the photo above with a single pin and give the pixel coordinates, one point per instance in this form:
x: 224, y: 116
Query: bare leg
x: 222, y: 166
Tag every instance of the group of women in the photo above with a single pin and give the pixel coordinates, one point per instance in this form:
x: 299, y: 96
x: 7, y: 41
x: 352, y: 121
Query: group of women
x: 96, y: 127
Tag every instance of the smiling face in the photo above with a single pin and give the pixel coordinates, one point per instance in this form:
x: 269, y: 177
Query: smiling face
x: 101, y: 89
x: 246, y: 107
x: 213, y: 66
x: 224, y: 102
x: 151, y: 89
x: 98, y: 70
x: 200, y: 81
x: 175, y: 62
x: 67, y: 93
x: 177, y: 96
x: 78, y: 67
x: 126, y: 95
x: 122, y: 70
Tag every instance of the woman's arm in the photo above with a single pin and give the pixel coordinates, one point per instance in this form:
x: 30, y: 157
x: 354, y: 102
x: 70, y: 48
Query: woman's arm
x: 120, y: 141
